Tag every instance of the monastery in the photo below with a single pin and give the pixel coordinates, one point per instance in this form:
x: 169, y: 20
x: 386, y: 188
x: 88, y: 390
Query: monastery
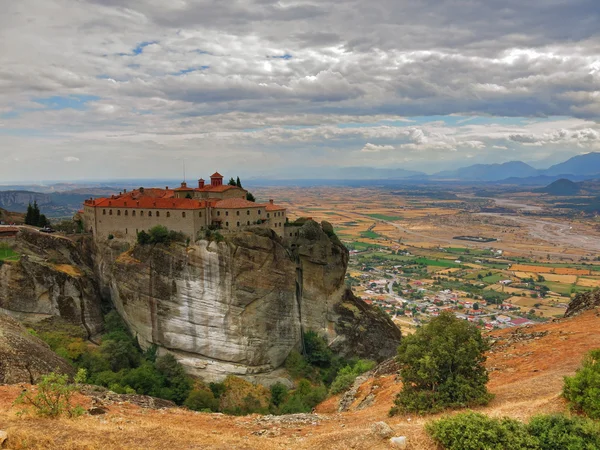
x: 189, y: 210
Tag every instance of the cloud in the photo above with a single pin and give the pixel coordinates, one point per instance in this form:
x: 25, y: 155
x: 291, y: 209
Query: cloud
x: 71, y: 159
x: 489, y: 80
x: 372, y: 148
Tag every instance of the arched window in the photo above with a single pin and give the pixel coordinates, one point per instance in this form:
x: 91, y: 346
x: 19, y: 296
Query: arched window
x: 157, y: 213
x: 238, y: 213
x: 248, y: 222
x: 149, y: 213
x: 200, y: 214
x: 118, y: 212
x: 248, y: 212
x: 110, y: 212
x: 103, y: 212
x: 226, y: 224
x: 168, y: 213
x: 126, y: 212
x: 183, y: 214
x: 238, y: 224
x: 268, y: 215
x: 218, y: 213
x: 133, y: 214
x: 141, y: 213
x: 259, y: 212
x: 226, y: 213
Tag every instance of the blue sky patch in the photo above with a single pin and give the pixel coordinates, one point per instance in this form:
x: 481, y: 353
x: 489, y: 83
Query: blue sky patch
x: 286, y: 56
x: 191, y: 69
x: 57, y: 102
x: 140, y: 47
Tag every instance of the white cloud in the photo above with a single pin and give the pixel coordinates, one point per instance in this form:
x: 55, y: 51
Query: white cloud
x: 372, y: 148
x: 71, y: 159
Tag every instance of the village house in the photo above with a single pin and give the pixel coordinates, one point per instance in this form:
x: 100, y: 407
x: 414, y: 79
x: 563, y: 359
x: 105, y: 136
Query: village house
x: 188, y: 210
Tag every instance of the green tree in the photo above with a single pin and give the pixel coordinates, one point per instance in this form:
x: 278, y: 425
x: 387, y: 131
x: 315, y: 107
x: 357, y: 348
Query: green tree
x: 29, y: 215
x: 317, y: 351
x: 232, y: 182
x: 238, y: 183
x: 201, y: 400
x: 583, y: 389
x: 442, y: 366
x: 250, y: 197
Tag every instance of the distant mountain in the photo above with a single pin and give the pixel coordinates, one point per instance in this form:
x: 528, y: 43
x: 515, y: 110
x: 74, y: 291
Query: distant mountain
x: 561, y: 187
x: 489, y: 172
x: 588, y: 164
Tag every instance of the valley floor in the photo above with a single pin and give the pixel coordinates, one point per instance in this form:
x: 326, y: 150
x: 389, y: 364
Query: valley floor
x: 527, y: 368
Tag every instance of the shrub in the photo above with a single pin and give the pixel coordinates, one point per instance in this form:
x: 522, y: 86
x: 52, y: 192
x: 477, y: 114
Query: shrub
x: 317, y: 351
x: 242, y: 397
x: 279, y: 393
x: 201, y: 400
x: 559, y: 431
x: 474, y: 431
x: 304, y: 398
x: 583, y: 389
x: 53, y: 396
x: 346, y: 376
x: 296, y: 365
x: 442, y: 366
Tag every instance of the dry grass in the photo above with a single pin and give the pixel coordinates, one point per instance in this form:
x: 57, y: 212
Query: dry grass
x: 526, y: 378
x: 68, y: 269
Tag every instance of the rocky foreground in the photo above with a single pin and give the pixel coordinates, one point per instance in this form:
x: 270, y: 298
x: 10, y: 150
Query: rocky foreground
x: 527, y: 369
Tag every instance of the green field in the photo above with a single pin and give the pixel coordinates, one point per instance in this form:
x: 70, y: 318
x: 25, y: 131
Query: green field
x: 360, y: 246
x: 437, y: 263
x: 384, y: 217
x: 7, y: 254
x: 563, y: 288
x: 369, y: 234
x: 494, y: 278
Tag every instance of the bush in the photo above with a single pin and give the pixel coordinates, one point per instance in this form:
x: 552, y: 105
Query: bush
x: 279, y: 393
x: 317, y: 351
x: 583, y: 389
x: 442, y: 366
x: 53, y: 396
x: 304, y: 398
x: 297, y: 366
x: 474, y: 431
x: 159, y: 234
x: 559, y: 431
x: 346, y: 376
x: 242, y: 397
x: 201, y: 400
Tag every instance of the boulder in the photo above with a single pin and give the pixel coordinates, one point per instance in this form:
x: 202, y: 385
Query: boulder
x: 382, y: 430
x: 399, y: 442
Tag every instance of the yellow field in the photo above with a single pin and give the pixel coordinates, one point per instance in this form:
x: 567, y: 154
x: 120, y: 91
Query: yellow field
x: 588, y: 282
x: 566, y: 279
x: 543, y: 269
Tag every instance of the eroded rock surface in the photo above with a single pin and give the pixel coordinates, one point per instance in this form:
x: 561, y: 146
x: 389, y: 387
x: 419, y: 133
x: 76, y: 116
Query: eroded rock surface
x: 24, y: 358
x: 582, y: 302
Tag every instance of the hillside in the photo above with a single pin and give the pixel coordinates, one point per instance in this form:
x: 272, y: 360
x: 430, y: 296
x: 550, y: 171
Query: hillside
x: 8, y: 217
x: 588, y: 164
x: 561, y: 187
x: 527, y: 367
x: 489, y: 172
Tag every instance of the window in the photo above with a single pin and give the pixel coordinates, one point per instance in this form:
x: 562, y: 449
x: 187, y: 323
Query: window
x: 226, y: 213
x: 118, y: 212
x: 133, y: 214
x: 149, y: 213
x: 141, y: 213
x: 110, y: 212
x: 183, y: 214
x: 125, y: 230
x: 157, y: 213
x: 259, y: 212
x: 238, y: 213
x: 168, y: 213
x: 226, y: 224
x: 218, y: 213
x: 103, y: 212
x: 238, y: 224
x: 248, y: 222
x: 126, y: 213
x: 290, y: 234
x: 200, y: 214
x: 248, y: 212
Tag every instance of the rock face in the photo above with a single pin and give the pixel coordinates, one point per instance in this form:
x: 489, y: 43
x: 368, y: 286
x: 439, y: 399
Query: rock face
x: 582, y: 302
x: 52, y: 278
x: 23, y: 357
x: 240, y: 306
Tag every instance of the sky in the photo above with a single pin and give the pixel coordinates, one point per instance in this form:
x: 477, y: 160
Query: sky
x: 94, y: 89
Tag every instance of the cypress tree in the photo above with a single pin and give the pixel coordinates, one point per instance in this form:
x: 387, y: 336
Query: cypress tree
x: 35, y: 219
x: 29, y: 215
x: 231, y: 182
x: 238, y: 183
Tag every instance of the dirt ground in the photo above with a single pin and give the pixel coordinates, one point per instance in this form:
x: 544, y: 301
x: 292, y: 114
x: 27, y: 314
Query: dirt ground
x: 526, y: 377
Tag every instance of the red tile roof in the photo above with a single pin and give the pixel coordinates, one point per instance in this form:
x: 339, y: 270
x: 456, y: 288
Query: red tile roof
x: 272, y: 207
x: 147, y: 203
x: 216, y: 175
x: 220, y: 188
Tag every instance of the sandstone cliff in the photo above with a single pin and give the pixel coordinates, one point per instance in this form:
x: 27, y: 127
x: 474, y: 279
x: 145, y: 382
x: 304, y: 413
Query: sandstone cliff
x: 240, y: 306
x: 25, y: 358
x: 52, y: 278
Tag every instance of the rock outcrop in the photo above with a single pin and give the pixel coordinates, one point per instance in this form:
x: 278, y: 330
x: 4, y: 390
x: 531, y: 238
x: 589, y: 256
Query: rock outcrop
x: 52, y: 278
x: 241, y: 305
x: 24, y: 358
x: 582, y: 302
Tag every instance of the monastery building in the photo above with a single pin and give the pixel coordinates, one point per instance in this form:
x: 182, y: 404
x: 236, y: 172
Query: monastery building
x: 186, y: 209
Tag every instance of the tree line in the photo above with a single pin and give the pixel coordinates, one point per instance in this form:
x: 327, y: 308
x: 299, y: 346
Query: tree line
x: 34, y: 217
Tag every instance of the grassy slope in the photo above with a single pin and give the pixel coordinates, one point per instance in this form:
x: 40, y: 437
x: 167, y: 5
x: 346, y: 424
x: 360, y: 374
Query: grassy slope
x: 526, y: 377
